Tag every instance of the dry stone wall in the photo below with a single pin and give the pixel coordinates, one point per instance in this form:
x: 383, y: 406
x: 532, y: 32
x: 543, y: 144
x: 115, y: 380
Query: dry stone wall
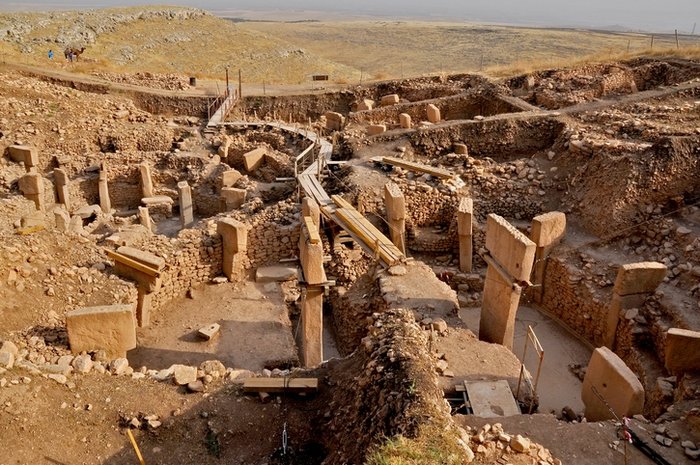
x: 573, y: 300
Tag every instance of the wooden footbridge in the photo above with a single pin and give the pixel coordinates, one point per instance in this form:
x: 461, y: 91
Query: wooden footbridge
x: 310, y: 166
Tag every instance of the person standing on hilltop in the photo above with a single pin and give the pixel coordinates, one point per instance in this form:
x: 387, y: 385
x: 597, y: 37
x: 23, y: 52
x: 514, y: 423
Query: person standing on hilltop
x: 50, y: 54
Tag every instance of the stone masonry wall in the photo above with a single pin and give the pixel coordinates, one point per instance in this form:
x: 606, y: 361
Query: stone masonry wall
x: 573, y: 300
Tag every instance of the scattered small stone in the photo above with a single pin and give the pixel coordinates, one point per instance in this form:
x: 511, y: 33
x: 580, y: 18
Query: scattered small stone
x: 195, y: 386
x: 520, y: 444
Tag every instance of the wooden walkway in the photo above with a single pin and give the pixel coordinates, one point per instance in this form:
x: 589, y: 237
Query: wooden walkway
x: 336, y: 209
x: 225, y: 103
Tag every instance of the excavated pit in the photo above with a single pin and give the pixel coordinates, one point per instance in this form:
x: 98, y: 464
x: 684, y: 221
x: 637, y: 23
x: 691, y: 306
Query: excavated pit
x: 397, y: 340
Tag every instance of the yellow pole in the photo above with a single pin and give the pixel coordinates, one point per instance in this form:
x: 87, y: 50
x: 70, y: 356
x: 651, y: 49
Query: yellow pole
x: 136, y: 447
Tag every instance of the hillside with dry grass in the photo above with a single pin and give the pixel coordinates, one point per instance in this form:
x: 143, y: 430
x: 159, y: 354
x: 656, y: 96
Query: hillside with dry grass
x: 192, y: 42
x: 163, y: 40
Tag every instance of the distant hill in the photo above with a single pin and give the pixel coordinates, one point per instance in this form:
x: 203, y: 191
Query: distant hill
x: 157, y: 39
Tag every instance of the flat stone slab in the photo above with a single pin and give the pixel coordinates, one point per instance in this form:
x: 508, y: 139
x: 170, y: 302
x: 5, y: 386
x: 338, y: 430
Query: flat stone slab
x: 276, y: 273
x: 209, y: 332
x: 548, y: 228
x: 88, y: 211
x: 511, y: 248
x: 143, y: 257
x: 110, y: 328
x: 613, y: 380
x: 490, y: 399
x: 682, y: 351
x: 639, y: 278
x: 157, y: 200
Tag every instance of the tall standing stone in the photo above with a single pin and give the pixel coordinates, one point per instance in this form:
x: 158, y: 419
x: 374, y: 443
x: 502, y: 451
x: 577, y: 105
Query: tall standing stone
x: 395, y: 204
x: 186, y: 208
x: 146, y: 181
x: 465, y: 214
x: 510, y: 258
x: 105, y: 202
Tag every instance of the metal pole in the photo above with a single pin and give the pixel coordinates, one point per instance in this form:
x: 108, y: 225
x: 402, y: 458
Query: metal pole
x: 677, y: 43
x: 240, y: 84
x: 227, y: 85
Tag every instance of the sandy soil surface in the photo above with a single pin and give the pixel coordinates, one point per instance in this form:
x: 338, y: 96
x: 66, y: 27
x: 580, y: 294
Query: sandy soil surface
x: 558, y: 387
x: 255, y: 329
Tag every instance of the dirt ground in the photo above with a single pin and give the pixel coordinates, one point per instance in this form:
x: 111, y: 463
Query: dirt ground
x: 255, y: 329
x: 43, y: 422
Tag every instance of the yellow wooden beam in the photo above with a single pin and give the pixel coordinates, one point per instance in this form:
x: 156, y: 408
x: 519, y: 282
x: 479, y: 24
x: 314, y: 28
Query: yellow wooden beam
x: 312, y: 230
x: 413, y: 166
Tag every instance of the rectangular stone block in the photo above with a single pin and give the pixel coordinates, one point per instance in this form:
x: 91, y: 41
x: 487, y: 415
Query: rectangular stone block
x: 617, y: 306
x: 498, y: 310
x: 334, y: 121
x: 230, y: 178
x: 682, y: 351
x: 615, y: 382
x: 388, y: 100
x: 143, y: 257
x: 465, y: 214
x: 548, y: 229
x: 186, y: 208
x: 509, y: 247
x: 254, y: 159
x: 394, y: 201
x: 365, y: 104
x: 146, y: 180
x: 376, y: 129
x: 145, y: 219
x: 405, y: 121
x: 460, y: 149
x: 31, y: 184
x: 311, y: 257
x: 433, y: 114
x: 60, y: 177
x: 62, y: 219
x: 27, y: 154
x: 109, y: 328
x: 310, y: 208
x: 233, y: 197
x: 638, y: 278
x: 234, y: 235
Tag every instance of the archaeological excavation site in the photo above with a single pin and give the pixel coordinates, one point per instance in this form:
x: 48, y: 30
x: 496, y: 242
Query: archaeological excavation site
x: 450, y: 269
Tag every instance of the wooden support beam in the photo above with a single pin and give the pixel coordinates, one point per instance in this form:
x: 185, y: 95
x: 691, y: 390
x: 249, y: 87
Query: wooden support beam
x: 413, y: 166
x: 291, y: 385
x: 312, y: 230
x: 133, y: 264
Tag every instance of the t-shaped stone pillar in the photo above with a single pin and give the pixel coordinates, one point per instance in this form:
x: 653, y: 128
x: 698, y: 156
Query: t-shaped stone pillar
x: 62, y: 188
x: 234, y: 235
x: 144, y: 268
x: 186, y: 210
x: 32, y: 186
x: 105, y: 202
x: 146, y: 181
x: 465, y: 215
x: 509, y: 266
x: 395, y: 204
x: 547, y: 232
x: 634, y: 283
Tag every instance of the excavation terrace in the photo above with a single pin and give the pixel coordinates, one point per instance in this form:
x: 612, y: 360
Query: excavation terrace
x: 501, y: 270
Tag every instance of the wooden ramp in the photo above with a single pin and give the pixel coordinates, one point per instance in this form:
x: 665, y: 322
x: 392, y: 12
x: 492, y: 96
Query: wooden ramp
x: 228, y: 102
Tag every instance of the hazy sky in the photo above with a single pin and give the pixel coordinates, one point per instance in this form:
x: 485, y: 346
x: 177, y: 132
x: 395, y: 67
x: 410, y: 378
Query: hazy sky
x: 636, y: 14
